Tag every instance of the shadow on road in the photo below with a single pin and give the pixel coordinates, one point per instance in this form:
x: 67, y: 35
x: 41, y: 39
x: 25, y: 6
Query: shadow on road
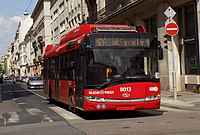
x: 112, y: 114
x: 119, y: 114
x: 11, y: 91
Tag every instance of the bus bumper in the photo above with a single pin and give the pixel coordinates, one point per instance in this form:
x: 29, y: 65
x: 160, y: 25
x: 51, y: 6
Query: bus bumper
x: 102, y: 106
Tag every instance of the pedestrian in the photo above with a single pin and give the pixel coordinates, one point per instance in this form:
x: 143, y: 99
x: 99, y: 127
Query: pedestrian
x: 14, y: 79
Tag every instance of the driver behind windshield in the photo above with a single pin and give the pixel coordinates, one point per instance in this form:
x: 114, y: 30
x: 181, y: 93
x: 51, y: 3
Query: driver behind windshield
x: 135, y: 68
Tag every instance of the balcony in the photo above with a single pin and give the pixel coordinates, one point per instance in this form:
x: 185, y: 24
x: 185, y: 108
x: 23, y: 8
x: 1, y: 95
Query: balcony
x: 112, y: 9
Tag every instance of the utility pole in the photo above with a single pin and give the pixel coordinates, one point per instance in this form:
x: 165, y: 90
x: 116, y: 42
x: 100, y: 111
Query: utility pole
x: 172, y: 30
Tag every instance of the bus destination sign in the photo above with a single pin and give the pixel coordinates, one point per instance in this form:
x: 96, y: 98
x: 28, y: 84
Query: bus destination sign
x: 122, y: 42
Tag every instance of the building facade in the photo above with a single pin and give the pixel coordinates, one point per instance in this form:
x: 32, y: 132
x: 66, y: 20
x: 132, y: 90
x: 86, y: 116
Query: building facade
x: 66, y: 15
x: 28, y: 40
x: 19, y: 53
x: 41, y: 32
x: 150, y: 13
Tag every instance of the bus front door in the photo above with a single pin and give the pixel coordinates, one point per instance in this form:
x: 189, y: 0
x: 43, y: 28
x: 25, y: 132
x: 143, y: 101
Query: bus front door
x: 57, y: 74
x: 79, y: 74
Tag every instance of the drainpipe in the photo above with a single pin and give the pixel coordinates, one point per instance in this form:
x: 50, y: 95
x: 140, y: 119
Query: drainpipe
x: 198, y: 27
x: 0, y: 93
x: 82, y: 12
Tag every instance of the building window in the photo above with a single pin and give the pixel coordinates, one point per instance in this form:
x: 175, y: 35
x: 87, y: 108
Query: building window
x: 62, y: 26
x: 188, y: 49
x: 189, y: 25
x: 151, y: 24
x: 56, y: 31
x: 70, y: 24
x: 55, y: 14
x: 79, y: 17
x: 53, y: 2
x: 51, y: 35
x: 61, y: 7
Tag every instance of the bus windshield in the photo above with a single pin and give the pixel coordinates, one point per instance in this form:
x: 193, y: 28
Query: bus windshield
x: 110, y: 62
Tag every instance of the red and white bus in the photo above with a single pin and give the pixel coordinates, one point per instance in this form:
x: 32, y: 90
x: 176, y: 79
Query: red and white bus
x: 100, y: 67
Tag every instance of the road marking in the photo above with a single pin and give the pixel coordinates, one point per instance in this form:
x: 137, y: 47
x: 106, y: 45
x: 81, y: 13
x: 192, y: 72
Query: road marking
x: 14, y: 91
x: 46, y: 119
x: 34, y: 111
x: 34, y: 90
x: 21, y: 103
x: 37, y: 94
x: 45, y: 101
x: 64, y: 113
x: 4, y: 119
x: 4, y: 123
x: 14, y: 117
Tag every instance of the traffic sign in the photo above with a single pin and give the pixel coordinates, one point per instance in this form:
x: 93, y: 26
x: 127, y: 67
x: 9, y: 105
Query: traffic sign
x: 172, y: 29
x: 170, y: 13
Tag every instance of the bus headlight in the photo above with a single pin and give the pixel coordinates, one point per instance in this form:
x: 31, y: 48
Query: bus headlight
x: 94, y: 99
x: 151, y: 98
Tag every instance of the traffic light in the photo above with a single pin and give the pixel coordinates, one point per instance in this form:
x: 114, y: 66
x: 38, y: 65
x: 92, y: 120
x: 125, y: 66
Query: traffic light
x: 167, y: 41
x: 166, y: 38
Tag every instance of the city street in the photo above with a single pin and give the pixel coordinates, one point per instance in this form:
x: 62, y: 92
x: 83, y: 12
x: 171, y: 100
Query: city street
x: 26, y: 112
x: 100, y: 55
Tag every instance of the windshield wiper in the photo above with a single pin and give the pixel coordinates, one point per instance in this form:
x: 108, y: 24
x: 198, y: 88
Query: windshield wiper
x: 118, y: 80
x: 121, y: 80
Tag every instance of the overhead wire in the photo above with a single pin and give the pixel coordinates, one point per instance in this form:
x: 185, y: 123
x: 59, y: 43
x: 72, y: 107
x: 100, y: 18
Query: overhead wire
x: 29, y: 5
x: 11, y: 6
x: 16, y: 7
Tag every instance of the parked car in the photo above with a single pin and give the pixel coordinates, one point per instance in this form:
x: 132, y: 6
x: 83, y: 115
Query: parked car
x: 17, y: 78
x: 5, y: 77
x: 34, y: 82
x: 23, y: 79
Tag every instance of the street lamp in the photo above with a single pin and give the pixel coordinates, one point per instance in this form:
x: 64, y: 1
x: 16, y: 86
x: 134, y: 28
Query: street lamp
x: 26, y: 13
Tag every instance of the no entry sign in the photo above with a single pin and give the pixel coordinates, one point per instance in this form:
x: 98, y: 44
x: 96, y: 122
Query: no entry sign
x: 172, y: 29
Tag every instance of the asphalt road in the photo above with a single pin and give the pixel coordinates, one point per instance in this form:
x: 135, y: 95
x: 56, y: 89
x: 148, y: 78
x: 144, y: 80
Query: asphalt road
x: 25, y: 112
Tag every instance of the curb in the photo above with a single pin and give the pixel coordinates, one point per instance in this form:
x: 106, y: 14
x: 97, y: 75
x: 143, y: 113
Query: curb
x: 180, y: 107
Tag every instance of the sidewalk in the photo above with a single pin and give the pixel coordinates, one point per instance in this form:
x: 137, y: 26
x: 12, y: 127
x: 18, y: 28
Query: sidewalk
x: 185, y: 100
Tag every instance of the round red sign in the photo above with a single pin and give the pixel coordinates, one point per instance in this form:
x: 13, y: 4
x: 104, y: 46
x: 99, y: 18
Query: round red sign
x: 172, y: 29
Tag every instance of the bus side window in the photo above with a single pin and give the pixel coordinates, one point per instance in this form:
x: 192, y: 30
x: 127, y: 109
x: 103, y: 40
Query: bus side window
x: 52, y: 68
x: 64, y: 66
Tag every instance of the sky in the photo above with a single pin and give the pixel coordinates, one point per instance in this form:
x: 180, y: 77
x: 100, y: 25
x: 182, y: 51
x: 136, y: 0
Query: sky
x: 11, y: 13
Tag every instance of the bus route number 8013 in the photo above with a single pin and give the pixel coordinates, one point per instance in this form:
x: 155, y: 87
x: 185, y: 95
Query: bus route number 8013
x: 125, y: 89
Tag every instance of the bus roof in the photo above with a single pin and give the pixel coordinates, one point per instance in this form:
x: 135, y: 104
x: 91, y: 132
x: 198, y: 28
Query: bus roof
x: 76, y: 36
x: 85, y: 29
